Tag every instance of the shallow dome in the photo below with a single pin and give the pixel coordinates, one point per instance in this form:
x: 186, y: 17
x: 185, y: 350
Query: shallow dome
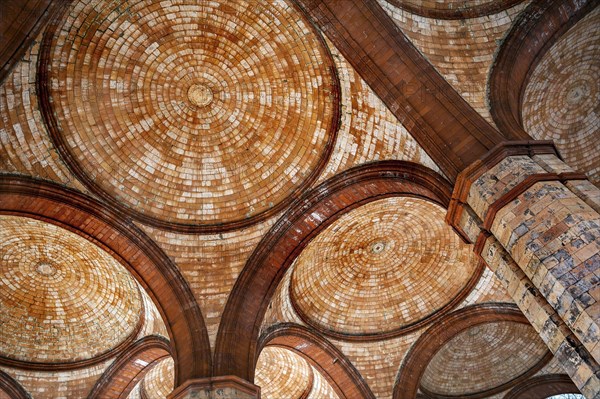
x: 381, y: 268
x: 560, y: 101
x: 62, y: 299
x: 482, y: 358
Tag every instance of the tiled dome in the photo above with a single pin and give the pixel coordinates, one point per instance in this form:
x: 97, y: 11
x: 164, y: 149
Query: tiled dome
x: 63, y: 299
x: 189, y: 122
x: 560, y: 102
x: 380, y: 268
x: 483, y: 357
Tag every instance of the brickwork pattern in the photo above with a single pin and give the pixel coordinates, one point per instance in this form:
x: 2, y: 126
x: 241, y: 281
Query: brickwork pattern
x: 380, y: 267
x: 461, y: 50
x: 560, y: 101
x: 368, y: 130
x: 283, y: 374
x: 62, y: 298
x: 211, y: 263
x: 197, y: 122
x: 573, y: 358
x: 553, y: 235
x: 58, y: 385
x: 321, y: 388
x: 25, y: 144
x: 559, y: 251
x: 483, y: 357
x: 158, y: 383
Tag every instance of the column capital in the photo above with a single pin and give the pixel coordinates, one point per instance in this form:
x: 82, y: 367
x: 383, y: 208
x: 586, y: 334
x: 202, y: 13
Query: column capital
x: 529, y: 176
x: 222, y: 387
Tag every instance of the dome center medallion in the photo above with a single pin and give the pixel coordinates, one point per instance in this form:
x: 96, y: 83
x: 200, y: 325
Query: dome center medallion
x: 200, y: 95
x: 378, y: 247
x: 45, y: 269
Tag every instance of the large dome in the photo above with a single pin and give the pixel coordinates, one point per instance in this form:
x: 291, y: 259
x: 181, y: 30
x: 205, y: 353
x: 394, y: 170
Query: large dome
x: 192, y: 115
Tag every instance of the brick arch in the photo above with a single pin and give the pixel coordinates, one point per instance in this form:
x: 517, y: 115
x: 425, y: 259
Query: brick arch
x: 474, y: 11
x: 443, y: 330
x: 321, y: 354
x: 127, y: 370
x: 12, y: 388
x: 538, y: 28
x: 542, y: 387
x: 237, y: 339
x: 115, y: 233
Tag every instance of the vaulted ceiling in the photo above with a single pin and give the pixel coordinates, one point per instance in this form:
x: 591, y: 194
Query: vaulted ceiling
x: 194, y: 188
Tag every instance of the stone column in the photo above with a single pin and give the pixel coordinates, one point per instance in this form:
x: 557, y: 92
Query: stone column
x: 224, y: 387
x: 536, y: 223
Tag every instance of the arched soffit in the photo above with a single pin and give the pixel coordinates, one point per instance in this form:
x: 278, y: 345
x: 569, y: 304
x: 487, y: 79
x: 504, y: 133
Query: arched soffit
x: 117, y: 235
x: 543, y: 386
x: 451, y: 325
x: 12, y: 388
x: 235, y: 352
x: 254, y: 80
x: 130, y: 367
x: 282, y: 373
x: 536, y: 30
x: 454, y: 9
x: 321, y: 354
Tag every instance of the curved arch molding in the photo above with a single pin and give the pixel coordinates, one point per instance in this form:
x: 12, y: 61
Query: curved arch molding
x: 320, y: 353
x: 424, y: 349
x: 438, y: 11
x: 130, y: 367
x: 116, y: 234
x: 542, y: 387
x: 237, y: 340
x: 12, y: 388
x: 538, y: 28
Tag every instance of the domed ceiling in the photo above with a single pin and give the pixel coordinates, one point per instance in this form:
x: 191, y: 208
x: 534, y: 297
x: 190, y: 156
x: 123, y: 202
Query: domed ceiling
x: 279, y: 370
x: 62, y: 298
x: 381, y: 268
x: 192, y: 115
x: 560, y: 102
x: 196, y: 117
x: 482, y: 358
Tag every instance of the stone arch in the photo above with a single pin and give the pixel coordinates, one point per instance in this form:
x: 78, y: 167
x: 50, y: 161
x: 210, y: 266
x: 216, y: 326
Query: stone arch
x: 130, y: 367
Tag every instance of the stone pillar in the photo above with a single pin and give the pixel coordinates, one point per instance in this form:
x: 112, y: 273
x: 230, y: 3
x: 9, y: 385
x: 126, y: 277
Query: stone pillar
x: 224, y: 387
x: 536, y: 223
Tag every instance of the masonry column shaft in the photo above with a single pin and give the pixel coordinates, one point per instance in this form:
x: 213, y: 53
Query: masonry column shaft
x: 521, y: 198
